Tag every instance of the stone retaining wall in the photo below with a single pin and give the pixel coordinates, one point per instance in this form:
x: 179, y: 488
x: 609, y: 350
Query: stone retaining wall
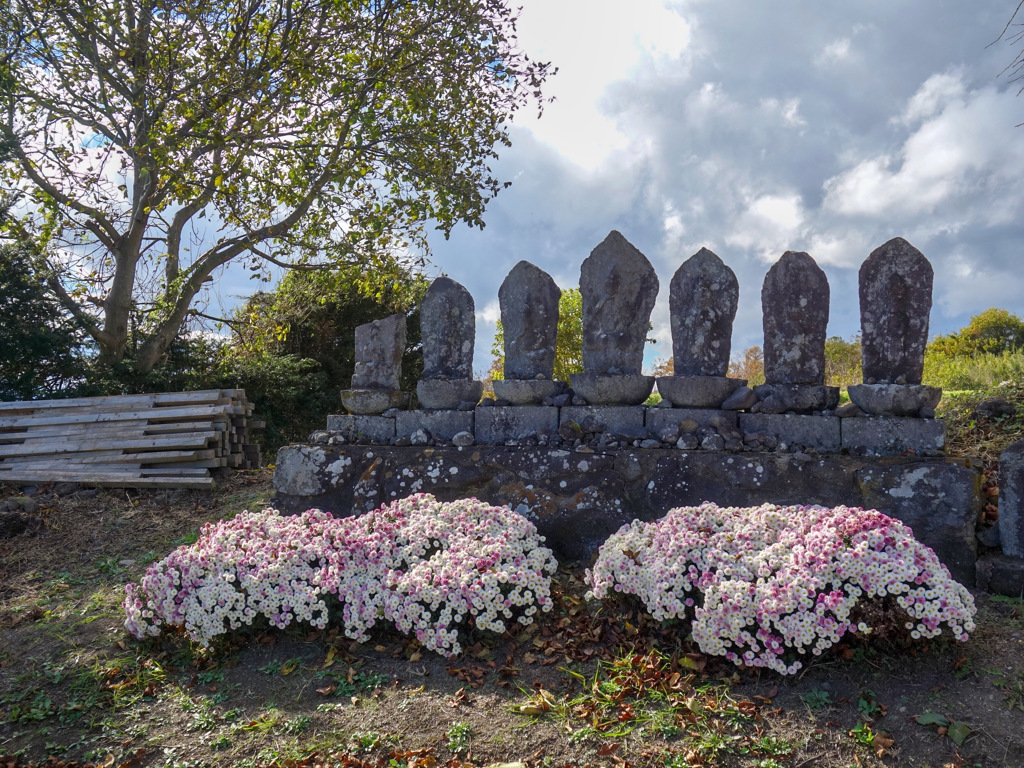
x: 577, y: 499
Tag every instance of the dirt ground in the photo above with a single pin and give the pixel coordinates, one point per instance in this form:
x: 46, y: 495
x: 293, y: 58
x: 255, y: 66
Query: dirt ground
x: 590, y: 685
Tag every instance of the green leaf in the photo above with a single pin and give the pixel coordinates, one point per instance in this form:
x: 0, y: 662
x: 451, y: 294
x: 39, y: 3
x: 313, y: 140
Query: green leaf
x: 959, y: 732
x: 931, y: 718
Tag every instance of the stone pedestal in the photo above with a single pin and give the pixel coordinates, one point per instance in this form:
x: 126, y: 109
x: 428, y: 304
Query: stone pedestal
x: 373, y: 401
x: 377, y: 429
x: 896, y: 399
x: 445, y: 394
x: 497, y: 424
x: 818, y: 432
x: 441, y: 423
x: 612, y: 389
x: 795, y: 398
x: 617, y: 420
x: 698, y: 391
x: 888, y: 436
x: 527, y: 391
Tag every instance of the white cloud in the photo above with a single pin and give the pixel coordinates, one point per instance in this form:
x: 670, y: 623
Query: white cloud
x: 965, y: 144
x: 591, y: 53
x: 837, y: 50
x: 769, y: 226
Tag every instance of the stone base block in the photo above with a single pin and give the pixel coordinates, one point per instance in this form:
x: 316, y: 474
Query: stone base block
x: 891, y: 436
x: 527, y: 391
x: 378, y: 429
x: 438, y: 394
x: 617, y: 419
x: 795, y: 398
x: 373, y: 401
x: 1011, y: 499
x: 1001, y: 575
x: 440, y: 423
x: 895, y: 399
x: 698, y: 391
x: 818, y: 432
x: 498, y: 424
x: 608, y: 389
x: 659, y: 419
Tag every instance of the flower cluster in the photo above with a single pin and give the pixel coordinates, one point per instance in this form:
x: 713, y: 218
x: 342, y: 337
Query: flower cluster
x: 428, y: 567
x: 766, y: 585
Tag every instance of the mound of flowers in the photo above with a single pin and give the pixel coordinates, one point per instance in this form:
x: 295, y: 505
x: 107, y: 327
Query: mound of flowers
x: 428, y: 567
x: 764, y: 586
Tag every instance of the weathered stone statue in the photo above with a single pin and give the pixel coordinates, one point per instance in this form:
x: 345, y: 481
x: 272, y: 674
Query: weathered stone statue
x: 448, y: 329
x: 895, y: 303
x: 618, y: 287
x: 529, y: 319
x: 703, y: 298
x: 375, y: 383
x: 795, y: 305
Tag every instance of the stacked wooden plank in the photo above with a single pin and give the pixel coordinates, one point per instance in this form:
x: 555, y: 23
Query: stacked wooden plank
x: 163, y: 440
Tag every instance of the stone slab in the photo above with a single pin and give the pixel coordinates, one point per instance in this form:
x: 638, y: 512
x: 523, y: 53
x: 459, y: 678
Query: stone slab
x: 1001, y: 575
x: 578, y: 500
x: 1011, y: 499
x: 618, y: 419
x: 891, y: 436
x: 379, y: 429
x: 496, y: 424
x: 665, y: 418
x: 444, y: 424
x: 818, y: 432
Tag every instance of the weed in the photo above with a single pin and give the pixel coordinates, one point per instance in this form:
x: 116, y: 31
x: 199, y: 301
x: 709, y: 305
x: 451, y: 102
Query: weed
x: 297, y: 724
x: 867, y: 705
x: 817, y: 699
x: 271, y: 667
x: 862, y: 734
x: 459, y: 736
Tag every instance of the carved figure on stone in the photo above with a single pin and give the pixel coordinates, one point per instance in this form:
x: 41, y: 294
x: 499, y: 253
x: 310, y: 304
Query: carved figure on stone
x: 895, y: 304
x: 703, y: 298
x: 448, y: 330
x: 379, y: 348
x: 618, y: 287
x: 378, y: 369
x: 795, y: 304
x: 529, y: 318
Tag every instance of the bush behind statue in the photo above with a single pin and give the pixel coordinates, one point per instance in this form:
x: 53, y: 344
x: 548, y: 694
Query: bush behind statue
x: 764, y: 586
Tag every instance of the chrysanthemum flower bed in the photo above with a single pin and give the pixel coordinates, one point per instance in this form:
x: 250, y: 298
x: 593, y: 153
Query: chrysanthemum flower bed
x: 428, y: 567
x: 764, y: 586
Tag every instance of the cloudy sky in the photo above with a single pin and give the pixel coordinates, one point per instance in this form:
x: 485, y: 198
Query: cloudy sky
x: 754, y: 128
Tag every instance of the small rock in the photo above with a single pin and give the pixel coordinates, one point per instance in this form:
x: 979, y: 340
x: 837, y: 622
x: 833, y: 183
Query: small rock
x: 467, y: 405
x: 548, y: 401
x: 591, y: 424
x: 65, y: 489
x: 320, y: 437
x: 462, y: 439
x: 742, y: 399
x: 570, y: 430
x: 403, y: 441
x: 89, y: 493
x: 801, y: 456
x: 713, y: 443
x: 561, y: 400
x: 687, y: 442
x: 584, y: 449
x: 688, y: 427
x: 996, y: 406
x: 419, y: 437
x: 577, y: 400
x: 718, y: 422
x: 650, y: 444
x: 669, y: 435
x: 849, y: 410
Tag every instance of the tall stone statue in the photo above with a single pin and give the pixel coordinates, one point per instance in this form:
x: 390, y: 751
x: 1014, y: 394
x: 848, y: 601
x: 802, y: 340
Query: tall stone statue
x: 448, y: 330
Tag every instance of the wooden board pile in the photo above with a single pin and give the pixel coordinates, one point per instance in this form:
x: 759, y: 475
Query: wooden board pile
x: 164, y: 440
